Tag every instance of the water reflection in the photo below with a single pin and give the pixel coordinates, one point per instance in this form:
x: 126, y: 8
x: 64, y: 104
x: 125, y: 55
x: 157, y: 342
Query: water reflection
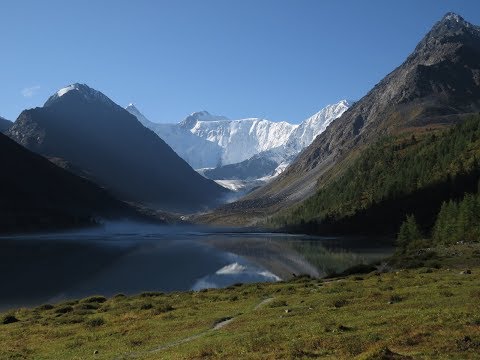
x: 132, y: 259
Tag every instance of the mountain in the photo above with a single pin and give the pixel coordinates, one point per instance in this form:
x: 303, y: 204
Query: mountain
x: 84, y: 127
x: 211, y: 141
x: 267, y: 164
x: 199, y: 153
x: 241, y: 139
x: 310, y: 128
x: 191, y: 120
x: 254, y: 168
x: 38, y: 195
x: 435, y: 86
x: 4, y: 124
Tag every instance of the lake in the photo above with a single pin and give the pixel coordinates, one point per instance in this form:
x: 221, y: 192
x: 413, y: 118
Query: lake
x: 132, y: 258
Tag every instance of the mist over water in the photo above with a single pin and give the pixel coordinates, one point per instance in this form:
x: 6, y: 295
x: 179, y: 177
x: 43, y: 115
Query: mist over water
x: 130, y: 258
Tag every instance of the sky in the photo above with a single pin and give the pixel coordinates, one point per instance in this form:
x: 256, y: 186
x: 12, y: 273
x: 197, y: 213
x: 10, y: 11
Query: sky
x: 275, y: 59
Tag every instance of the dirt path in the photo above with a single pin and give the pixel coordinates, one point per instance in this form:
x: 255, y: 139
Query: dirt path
x: 169, y: 345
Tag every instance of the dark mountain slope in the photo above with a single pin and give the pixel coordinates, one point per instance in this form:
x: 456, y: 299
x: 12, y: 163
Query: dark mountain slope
x: 438, y: 82
x: 87, y: 129
x: 36, y: 194
x: 253, y: 168
x: 4, y: 124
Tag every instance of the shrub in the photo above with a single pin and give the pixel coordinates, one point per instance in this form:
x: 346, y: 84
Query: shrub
x: 146, y: 306
x: 340, y: 303
x: 395, y: 298
x: 163, y: 309
x: 44, y: 307
x: 95, y: 322
x: 87, y: 306
x: 95, y: 299
x: 151, y: 294
x: 9, y: 319
x: 64, y: 309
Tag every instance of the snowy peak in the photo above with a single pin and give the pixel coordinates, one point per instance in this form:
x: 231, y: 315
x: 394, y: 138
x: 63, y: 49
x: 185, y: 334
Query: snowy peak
x: 132, y: 109
x: 190, y: 121
x: 241, y: 139
x: 82, y: 91
x: 310, y: 128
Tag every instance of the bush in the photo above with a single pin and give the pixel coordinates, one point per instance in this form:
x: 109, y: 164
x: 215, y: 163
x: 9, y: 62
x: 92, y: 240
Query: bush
x: 146, y: 306
x: 340, y: 303
x: 95, y: 322
x: 87, y: 306
x: 163, y: 309
x: 151, y: 294
x: 64, y: 309
x: 44, y: 307
x: 395, y: 298
x: 9, y: 319
x: 95, y: 299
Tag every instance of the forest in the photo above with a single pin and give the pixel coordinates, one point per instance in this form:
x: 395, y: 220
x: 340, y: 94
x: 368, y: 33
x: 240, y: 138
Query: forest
x: 409, y: 174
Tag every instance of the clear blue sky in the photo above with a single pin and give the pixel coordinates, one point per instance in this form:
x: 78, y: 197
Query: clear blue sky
x: 282, y: 60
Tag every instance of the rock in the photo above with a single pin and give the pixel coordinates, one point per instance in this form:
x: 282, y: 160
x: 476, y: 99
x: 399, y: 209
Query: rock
x: 466, y: 272
x: 287, y: 311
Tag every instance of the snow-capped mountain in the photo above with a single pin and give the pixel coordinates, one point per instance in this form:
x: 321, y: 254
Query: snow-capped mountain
x: 189, y: 122
x: 241, y: 139
x: 89, y: 94
x: 198, y: 152
x: 310, y: 128
x: 210, y: 141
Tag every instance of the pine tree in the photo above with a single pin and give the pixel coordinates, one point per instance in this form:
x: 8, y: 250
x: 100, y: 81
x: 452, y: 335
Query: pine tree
x: 409, y: 233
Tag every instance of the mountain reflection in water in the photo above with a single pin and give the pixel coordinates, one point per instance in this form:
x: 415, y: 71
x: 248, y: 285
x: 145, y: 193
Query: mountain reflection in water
x: 133, y: 258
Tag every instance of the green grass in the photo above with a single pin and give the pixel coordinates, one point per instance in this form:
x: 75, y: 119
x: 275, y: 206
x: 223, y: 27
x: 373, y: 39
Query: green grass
x: 429, y: 312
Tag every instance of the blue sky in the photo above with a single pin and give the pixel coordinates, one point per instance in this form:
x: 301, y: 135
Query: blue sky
x: 282, y: 60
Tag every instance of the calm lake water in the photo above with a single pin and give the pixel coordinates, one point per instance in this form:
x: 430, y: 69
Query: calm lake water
x: 132, y: 258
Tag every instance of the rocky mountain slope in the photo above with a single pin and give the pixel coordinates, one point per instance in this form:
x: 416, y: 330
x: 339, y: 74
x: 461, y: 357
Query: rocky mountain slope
x: 439, y: 81
x: 87, y: 129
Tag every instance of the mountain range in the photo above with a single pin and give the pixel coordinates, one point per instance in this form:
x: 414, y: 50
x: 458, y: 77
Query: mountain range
x: 435, y: 86
x: 95, y: 158
x: 88, y: 130
x: 240, y: 149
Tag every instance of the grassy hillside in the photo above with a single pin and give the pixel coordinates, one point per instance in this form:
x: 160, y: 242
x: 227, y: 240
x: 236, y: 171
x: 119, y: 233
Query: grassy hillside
x: 427, y: 312
x: 392, y: 178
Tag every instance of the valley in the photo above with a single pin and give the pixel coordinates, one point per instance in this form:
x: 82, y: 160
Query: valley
x: 352, y: 233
